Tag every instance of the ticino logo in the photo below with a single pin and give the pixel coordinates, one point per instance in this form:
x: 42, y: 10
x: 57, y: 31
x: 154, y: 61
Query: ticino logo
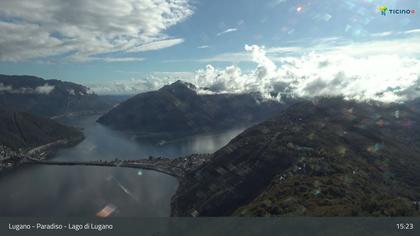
x: 384, y: 10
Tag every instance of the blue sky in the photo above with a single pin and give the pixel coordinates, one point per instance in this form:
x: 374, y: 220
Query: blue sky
x: 146, y: 43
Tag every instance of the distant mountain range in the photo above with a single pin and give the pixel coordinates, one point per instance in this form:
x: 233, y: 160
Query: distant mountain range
x: 327, y: 157
x: 177, y: 108
x: 21, y: 130
x: 47, y: 97
x: 26, y: 102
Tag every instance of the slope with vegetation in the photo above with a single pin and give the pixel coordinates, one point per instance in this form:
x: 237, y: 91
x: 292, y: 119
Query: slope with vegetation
x: 327, y: 157
x: 20, y: 130
x: 177, y: 108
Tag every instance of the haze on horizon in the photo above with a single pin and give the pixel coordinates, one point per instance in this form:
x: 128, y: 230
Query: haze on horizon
x: 306, y: 48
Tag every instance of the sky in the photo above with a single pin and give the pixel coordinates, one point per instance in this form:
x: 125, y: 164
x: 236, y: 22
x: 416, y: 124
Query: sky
x: 303, y: 47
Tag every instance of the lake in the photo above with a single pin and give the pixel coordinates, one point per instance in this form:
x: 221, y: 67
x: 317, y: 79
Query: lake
x: 48, y: 191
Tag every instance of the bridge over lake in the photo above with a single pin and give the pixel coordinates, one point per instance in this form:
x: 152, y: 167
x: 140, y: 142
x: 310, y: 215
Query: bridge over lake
x: 177, y: 167
x: 165, y: 166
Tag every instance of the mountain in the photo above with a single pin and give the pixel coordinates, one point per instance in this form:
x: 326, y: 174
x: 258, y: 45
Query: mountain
x: 21, y: 130
x: 46, y: 97
x: 177, y: 108
x: 328, y: 157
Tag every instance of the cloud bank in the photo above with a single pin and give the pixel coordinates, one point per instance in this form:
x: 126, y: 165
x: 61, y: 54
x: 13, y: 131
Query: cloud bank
x: 364, y: 74
x: 81, y: 30
x: 361, y: 71
x: 43, y: 89
x: 143, y: 83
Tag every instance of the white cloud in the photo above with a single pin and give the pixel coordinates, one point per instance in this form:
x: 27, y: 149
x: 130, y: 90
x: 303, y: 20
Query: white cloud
x: 157, y: 45
x: 413, y: 31
x: 401, y: 46
x: 227, y: 31
x: 386, y: 43
x: 106, y: 59
x: 44, y: 89
x: 140, y: 83
x: 5, y: 88
x: 283, y: 50
x: 340, y: 70
x: 235, y: 57
x: 385, y: 68
x: 120, y: 59
x: 228, y: 57
x: 71, y: 92
x: 203, y: 46
x: 382, y: 34
x: 84, y: 58
x: 345, y: 70
x: 42, y: 28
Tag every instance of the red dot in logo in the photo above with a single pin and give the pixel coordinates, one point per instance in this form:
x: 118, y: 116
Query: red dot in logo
x: 413, y: 11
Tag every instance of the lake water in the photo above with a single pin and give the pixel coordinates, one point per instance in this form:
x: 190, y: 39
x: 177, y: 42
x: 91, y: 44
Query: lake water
x: 84, y: 191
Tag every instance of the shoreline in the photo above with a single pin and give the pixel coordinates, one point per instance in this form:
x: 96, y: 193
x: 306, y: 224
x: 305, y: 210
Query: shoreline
x: 46, y: 151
